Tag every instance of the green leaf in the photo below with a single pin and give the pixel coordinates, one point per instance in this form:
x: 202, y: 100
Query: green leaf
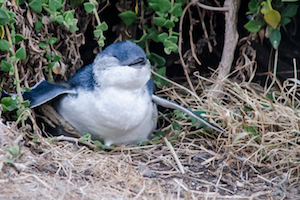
x: 253, y: 26
x: 102, y: 27
x: 101, y: 41
x: 162, y: 37
x: 290, y: 10
x: 14, y: 150
x: 128, y: 17
x: 153, y: 33
x: 253, y: 6
x: 164, y: 6
x: 73, y: 27
x: 284, y: 21
x: 275, y: 38
x: 21, y: 53
x: 173, y: 39
x: 4, y: 16
x: 159, y: 81
x: 177, y: 10
x: 42, y: 45
x: 59, y: 19
x: 88, y: 7
x: 5, y: 66
x: 97, y: 33
x: 19, y: 38
x: 25, y: 103
x: 56, y: 58
x: 159, y: 21
x: 69, y: 15
x: 52, y: 40
x: 169, y: 24
x: 54, y: 5
x: 4, y: 45
x: 141, y: 42
x: 51, y: 65
x: 38, y: 25
x: 157, y: 60
x: 9, y: 103
x: 176, y: 126
x: 36, y: 5
x: 11, y: 71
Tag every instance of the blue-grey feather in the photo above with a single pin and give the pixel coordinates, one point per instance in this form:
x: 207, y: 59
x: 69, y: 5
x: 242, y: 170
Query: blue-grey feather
x: 84, y: 78
x: 120, y: 51
x: 44, y: 91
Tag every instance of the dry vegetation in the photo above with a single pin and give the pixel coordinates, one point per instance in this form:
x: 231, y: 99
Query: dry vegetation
x: 256, y: 158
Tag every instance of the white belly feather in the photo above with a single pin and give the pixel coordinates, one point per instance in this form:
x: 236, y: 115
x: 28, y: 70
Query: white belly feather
x: 114, y: 115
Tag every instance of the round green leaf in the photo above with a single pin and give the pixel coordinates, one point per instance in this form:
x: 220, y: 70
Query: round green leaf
x: 162, y: 37
x: 54, y: 5
x: 177, y: 10
x: 164, y: 6
x: 290, y: 10
x: 159, y: 21
x: 128, y: 17
x: 157, y: 60
x: 21, y: 53
x: 19, y: 38
x: 97, y: 33
x: 4, y: 16
x: 169, y: 24
x: 52, y: 40
x: 253, y: 26
x: 275, y: 38
x: 4, y: 45
x: 89, y: 7
x: 42, y: 45
x: 285, y: 21
x: 102, y: 27
x: 5, y: 66
x: 36, y: 5
x: 38, y: 25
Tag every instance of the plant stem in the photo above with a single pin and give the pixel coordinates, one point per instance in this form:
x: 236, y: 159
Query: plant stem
x: 15, y: 64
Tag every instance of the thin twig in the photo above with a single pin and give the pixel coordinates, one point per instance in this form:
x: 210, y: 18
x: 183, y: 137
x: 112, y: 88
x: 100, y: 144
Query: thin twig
x: 206, y: 7
x: 174, y: 155
x: 180, y: 48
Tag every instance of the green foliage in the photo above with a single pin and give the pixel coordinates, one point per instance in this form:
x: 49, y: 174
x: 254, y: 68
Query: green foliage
x: 128, y: 17
x: 90, y: 7
x: 4, y: 45
x: 272, y: 18
x: 14, y: 151
x: 86, y: 139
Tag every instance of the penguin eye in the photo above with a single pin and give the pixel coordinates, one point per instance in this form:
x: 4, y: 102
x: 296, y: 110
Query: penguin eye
x: 139, y: 61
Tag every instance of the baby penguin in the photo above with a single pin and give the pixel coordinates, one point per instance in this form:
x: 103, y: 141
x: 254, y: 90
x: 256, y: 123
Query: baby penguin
x: 112, y: 99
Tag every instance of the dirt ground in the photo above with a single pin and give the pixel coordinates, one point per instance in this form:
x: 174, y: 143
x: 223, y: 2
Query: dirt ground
x: 64, y: 170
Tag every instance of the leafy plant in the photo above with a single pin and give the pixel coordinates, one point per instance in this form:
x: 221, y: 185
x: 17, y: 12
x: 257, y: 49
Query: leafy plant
x: 86, y: 139
x: 15, y: 153
x: 9, y: 42
x: 51, y: 56
x: 90, y: 7
x: 273, y: 19
x: 54, y: 8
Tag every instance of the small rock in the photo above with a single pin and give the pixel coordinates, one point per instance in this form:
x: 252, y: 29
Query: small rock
x: 146, y: 171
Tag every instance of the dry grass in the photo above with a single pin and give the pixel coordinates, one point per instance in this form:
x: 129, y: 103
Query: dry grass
x: 257, y: 158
